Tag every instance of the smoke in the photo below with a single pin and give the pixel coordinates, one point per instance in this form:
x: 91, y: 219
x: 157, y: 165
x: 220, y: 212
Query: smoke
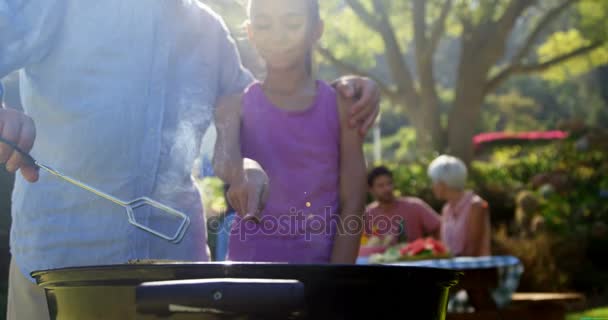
x: 184, y: 127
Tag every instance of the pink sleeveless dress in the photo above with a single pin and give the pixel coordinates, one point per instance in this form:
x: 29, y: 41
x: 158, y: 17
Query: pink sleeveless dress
x: 454, y: 227
x: 300, y: 152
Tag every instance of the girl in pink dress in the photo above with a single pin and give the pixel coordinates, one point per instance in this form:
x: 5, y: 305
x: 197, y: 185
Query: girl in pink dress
x: 294, y: 129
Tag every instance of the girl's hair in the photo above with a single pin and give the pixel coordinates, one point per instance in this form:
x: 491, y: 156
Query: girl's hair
x: 449, y: 170
x: 314, y: 13
x: 314, y: 18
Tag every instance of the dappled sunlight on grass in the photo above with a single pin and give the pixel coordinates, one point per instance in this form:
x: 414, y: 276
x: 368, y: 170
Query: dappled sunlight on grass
x: 593, y: 314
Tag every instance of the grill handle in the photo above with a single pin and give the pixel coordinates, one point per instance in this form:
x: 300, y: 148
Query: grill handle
x: 264, y: 298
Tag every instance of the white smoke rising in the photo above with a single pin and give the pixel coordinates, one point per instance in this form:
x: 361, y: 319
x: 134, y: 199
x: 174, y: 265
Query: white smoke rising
x: 182, y: 144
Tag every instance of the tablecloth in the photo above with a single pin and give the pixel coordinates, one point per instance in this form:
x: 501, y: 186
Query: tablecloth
x: 509, y: 269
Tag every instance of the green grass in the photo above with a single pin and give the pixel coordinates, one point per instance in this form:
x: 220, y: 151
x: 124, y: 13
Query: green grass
x: 593, y: 314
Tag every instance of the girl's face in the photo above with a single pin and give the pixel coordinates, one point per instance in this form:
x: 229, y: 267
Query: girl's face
x: 282, y: 31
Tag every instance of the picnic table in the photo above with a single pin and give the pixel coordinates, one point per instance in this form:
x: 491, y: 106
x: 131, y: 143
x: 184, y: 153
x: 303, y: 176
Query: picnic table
x: 487, y: 285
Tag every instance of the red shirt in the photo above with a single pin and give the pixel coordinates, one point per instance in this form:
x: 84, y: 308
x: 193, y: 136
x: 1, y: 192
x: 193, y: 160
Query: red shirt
x: 418, y: 218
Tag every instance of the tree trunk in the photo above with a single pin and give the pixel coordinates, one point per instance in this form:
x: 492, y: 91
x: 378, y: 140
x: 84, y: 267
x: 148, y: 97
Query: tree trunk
x: 475, y: 62
x: 464, y: 114
x: 423, y: 114
x: 462, y: 123
x: 426, y: 120
x: 429, y: 131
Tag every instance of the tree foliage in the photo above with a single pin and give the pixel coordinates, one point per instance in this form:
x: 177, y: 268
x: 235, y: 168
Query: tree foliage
x: 442, y: 62
x: 399, y: 44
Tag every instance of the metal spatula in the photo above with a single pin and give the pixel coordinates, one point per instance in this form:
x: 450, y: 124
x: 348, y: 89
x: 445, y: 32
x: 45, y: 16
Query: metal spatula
x: 129, y: 206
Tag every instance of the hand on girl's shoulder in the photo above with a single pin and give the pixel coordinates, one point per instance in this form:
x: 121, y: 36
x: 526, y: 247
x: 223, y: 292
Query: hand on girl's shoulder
x: 344, y: 107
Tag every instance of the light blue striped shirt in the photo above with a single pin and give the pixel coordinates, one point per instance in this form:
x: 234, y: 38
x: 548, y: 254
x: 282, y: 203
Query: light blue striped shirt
x: 121, y: 93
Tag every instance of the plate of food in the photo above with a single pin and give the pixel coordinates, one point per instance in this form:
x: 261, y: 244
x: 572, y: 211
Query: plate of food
x: 421, y: 249
x: 375, y: 245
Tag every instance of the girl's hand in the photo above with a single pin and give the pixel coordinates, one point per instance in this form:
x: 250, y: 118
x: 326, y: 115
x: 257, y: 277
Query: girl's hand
x: 366, y: 107
x: 248, y: 194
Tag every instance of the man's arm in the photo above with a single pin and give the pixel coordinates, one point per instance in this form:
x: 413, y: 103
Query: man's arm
x: 246, y: 178
x: 352, y: 188
x: 431, y: 220
x: 28, y: 29
x: 227, y: 158
x: 234, y: 77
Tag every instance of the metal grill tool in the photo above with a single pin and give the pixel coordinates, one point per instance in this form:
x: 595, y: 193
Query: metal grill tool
x: 129, y: 206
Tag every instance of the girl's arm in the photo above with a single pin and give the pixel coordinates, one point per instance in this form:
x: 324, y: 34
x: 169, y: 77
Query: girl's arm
x: 246, y: 178
x: 352, y: 188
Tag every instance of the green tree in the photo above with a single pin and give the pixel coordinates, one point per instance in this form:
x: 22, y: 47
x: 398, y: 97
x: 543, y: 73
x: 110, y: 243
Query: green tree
x: 397, y: 43
x: 232, y: 11
x: 510, y: 112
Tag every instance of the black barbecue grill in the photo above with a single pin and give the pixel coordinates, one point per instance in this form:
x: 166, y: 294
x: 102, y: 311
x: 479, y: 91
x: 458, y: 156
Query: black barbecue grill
x: 246, y: 291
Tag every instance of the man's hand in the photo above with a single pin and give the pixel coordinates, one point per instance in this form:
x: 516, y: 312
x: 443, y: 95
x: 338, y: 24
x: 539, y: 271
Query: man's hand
x: 248, y: 194
x: 19, y: 129
x: 366, y: 108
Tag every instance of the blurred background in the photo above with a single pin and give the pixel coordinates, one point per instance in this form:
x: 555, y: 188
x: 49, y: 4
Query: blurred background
x: 516, y: 88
